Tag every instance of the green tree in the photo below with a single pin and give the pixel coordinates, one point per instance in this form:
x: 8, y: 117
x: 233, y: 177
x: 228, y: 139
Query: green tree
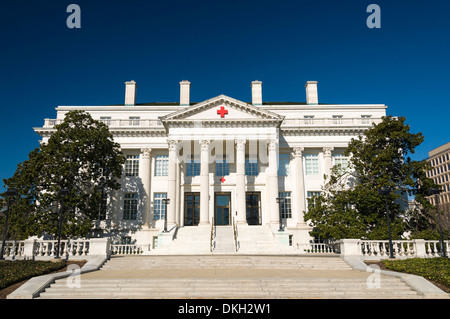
x: 350, y: 205
x: 80, y: 156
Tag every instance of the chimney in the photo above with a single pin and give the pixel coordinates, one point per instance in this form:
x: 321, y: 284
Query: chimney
x: 185, y: 87
x: 257, y: 93
x: 130, y: 93
x: 311, y: 93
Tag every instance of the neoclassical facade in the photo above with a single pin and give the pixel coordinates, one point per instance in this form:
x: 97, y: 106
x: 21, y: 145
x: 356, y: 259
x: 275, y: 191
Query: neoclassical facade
x: 222, y: 161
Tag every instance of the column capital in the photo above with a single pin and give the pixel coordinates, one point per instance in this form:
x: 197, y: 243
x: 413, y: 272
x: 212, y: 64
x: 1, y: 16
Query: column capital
x: 298, y: 152
x: 146, y: 153
x: 173, y: 144
x: 240, y: 143
x: 272, y: 144
x: 328, y: 151
x: 204, y: 144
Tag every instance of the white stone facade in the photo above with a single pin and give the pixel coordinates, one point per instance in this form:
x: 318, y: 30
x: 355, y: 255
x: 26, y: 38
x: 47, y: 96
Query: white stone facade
x: 253, y: 138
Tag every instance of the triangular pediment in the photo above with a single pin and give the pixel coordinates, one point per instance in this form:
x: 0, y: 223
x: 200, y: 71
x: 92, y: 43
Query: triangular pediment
x: 221, y: 108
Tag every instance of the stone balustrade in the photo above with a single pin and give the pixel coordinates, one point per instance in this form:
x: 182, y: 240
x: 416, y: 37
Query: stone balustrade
x: 379, y: 249
x: 86, y: 248
x: 131, y: 249
x: 46, y: 249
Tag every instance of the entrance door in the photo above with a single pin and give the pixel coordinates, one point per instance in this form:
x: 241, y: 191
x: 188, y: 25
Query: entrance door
x: 252, y: 200
x: 191, y: 209
x: 222, y: 209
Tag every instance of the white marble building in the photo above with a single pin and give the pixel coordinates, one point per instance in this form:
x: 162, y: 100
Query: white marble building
x: 222, y: 160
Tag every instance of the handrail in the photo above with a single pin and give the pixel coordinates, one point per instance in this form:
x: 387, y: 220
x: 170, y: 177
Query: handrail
x: 235, y: 234
x: 212, y: 235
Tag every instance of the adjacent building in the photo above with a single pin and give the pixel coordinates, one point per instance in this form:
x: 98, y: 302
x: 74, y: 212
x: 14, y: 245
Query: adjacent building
x: 439, y: 159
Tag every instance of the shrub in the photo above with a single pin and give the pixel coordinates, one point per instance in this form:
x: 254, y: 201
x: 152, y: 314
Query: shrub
x: 434, y: 269
x: 12, y: 272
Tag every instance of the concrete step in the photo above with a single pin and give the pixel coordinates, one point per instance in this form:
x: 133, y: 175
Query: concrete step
x: 226, y: 262
x: 230, y: 288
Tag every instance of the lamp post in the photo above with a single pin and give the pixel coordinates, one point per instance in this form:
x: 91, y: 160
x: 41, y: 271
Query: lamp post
x: 9, y: 193
x: 386, y: 191
x: 165, y: 202
x: 435, y: 192
x: 280, y: 200
x: 63, y: 192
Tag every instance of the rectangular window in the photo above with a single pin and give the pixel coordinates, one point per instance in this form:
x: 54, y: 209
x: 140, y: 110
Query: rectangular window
x: 134, y: 120
x: 337, y: 119
x: 162, y: 165
x: 340, y: 159
x: 222, y: 165
x: 283, y: 164
x: 365, y: 119
x: 312, y: 195
x: 193, y: 166
x: 130, y: 205
x: 309, y: 119
x: 159, y: 209
x: 251, y: 165
x: 132, y: 165
x: 105, y: 120
x: 285, y: 206
x: 312, y: 164
x: 103, y: 207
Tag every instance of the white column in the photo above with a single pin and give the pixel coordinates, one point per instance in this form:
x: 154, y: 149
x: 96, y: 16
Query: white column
x: 240, y: 182
x: 204, y: 182
x: 171, y: 187
x: 145, y: 174
x: 177, y: 193
x: 328, y: 163
x: 299, y: 200
x: 274, y: 208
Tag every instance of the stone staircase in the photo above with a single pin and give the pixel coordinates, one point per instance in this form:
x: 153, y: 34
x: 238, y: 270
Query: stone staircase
x: 227, y: 276
x: 224, y: 242
x: 260, y: 240
x: 197, y: 240
x: 188, y: 241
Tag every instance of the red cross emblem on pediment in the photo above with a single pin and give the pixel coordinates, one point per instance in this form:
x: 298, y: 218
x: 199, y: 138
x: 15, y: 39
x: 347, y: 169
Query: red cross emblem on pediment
x: 222, y: 112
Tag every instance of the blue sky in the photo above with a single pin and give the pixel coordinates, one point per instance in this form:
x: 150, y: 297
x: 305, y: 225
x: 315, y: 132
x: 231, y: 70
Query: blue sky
x: 220, y: 47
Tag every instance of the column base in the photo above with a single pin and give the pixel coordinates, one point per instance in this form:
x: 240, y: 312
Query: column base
x: 204, y: 223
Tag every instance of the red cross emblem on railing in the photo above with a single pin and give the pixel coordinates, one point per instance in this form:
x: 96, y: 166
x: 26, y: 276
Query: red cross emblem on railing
x: 222, y: 112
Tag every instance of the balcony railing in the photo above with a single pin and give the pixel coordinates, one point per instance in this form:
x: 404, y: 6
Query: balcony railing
x: 113, y: 123
x: 289, y: 122
x: 341, y: 121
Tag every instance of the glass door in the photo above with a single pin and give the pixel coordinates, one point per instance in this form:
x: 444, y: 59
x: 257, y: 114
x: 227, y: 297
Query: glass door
x: 222, y: 209
x: 191, y: 209
x: 252, y: 203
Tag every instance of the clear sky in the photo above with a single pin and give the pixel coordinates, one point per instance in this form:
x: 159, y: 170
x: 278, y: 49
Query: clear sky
x: 220, y: 47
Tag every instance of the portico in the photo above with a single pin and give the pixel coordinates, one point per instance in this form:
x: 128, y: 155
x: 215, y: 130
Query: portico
x: 221, y: 132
